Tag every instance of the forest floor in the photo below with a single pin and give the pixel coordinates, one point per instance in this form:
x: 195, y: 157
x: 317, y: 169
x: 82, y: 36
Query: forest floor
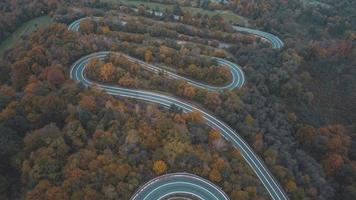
x: 227, y: 14
x: 24, y: 29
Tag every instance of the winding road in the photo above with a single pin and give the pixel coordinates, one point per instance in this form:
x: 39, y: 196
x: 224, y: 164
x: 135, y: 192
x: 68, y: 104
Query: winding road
x: 183, y: 183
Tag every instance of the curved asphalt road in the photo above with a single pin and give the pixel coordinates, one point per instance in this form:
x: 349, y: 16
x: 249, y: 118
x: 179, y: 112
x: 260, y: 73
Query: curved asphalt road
x: 274, y: 40
x: 74, y: 26
x: 187, y: 183
x: 179, y: 183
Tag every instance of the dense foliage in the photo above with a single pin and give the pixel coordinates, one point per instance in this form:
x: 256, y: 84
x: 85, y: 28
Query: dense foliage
x: 59, y: 140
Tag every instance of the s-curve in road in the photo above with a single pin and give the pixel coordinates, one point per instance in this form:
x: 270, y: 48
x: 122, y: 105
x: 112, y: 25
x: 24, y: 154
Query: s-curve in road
x: 186, y: 183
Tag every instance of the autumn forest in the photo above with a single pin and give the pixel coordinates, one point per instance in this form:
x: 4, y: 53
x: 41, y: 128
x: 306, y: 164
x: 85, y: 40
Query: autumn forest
x: 61, y: 139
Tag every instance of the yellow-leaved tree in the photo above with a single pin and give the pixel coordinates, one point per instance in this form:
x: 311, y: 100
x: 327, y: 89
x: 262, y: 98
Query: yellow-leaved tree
x: 107, y: 72
x: 148, y: 56
x: 159, y: 167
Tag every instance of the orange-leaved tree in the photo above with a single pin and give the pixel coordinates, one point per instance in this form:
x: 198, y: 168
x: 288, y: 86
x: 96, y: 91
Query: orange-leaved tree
x: 159, y: 167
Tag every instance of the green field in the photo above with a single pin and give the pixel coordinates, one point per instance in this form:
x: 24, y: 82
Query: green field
x: 24, y: 29
x: 228, y: 15
x: 315, y: 3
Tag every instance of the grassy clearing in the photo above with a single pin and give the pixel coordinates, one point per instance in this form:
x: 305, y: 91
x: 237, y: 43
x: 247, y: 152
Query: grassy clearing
x: 24, y: 29
x: 228, y: 15
x: 315, y: 3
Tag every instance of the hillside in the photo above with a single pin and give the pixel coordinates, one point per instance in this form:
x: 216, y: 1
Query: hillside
x: 115, y: 99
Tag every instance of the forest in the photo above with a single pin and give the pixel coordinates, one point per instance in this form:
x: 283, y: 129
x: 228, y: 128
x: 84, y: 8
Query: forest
x: 61, y: 140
